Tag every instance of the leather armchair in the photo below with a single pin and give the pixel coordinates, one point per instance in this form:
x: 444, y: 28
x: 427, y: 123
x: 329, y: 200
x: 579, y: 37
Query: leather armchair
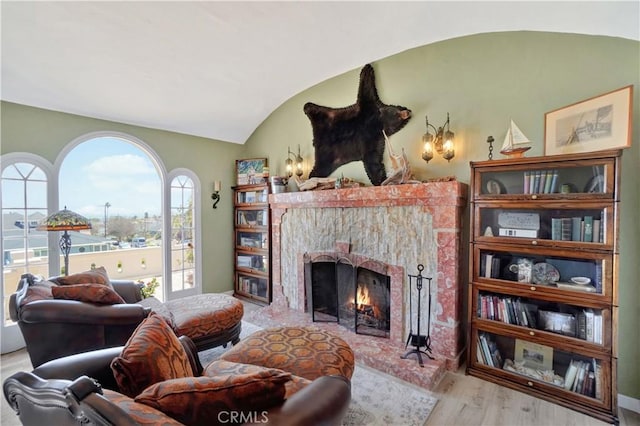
x: 61, y: 390
x: 55, y: 328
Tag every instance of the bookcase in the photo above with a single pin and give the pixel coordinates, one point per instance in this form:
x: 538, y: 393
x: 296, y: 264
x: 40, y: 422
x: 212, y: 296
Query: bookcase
x: 252, y: 243
x: 543, y: 299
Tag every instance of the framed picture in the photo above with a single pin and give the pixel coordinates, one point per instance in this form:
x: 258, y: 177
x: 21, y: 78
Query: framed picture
x: 596, y: 124
x: 250, y: 171
x: 534, y: 355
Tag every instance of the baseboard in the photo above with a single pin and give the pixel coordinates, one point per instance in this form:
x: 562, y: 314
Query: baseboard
x: 628, y: 403
x: 230, y: 292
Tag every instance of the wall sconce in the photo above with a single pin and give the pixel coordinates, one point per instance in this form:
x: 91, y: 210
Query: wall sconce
x: 441, y: 142
x: 143, y: 263
x: 297, y: 159
x: 215, y: 196
x: 119, y: 266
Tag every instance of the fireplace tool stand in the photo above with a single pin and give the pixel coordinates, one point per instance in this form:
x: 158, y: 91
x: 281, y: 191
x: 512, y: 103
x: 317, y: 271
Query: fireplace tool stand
x: 418, y: 340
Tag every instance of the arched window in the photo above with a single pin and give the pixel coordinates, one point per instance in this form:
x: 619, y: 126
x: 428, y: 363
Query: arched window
x: 25, y: 196
x: 184, y: 217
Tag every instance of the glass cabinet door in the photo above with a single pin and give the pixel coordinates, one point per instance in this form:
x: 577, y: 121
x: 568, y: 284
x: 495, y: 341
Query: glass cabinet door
x: 553, y: 320
x: 590, y: 177
x: 252, y: 239
x: 252, y: 262
x: 252, y: 217
x: 253, y: 285
x: 252, y: 195
x: 544, y: 366
x: 554, y: 224
x: 586, y: 273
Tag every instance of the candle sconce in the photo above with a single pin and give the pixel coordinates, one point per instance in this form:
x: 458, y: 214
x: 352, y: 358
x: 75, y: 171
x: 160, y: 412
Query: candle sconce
x: 215, y: 196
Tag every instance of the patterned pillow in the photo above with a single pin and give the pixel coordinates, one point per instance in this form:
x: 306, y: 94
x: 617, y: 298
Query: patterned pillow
x: 36, y: 292
x: 94, y: 276
x: 91, y: 293
x: 152, y: 354
x: 212, y: 400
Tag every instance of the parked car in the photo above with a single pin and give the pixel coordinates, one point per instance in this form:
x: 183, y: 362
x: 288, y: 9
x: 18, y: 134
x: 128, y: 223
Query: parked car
x: 139, y: 242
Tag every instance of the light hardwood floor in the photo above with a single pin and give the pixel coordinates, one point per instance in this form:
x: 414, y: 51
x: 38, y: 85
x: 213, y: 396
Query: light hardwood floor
x: 463, y: 400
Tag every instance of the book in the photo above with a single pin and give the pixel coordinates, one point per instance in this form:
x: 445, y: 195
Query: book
x: 554, y: 182
x: 596, y: 231
x: 565, y: 229
x: 485, y: 349
x: 487, y: 265
x: 520, y: 233
x: 570, y: 375
x: 543, y: 180
x: 536, y: 182
x: 556, y: 233
x: 526, y: 182
x: 548, y: 181
x: 576, y: 223
x: 589, y: 323
x: 588, y: 229
x: 581, y: 325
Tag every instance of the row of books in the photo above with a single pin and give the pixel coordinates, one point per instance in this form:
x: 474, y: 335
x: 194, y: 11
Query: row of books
x: 252, y: 286
x: 584, y: 377
x: 487, y: 351
x: 540, y: 182
x: 507, y: 310
x: 590, y: 325
x: 489, y: 265
x: 587, y: 229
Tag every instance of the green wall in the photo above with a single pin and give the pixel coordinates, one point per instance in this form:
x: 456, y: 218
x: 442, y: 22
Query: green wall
x: 483, y: 81
x: 46, y: 133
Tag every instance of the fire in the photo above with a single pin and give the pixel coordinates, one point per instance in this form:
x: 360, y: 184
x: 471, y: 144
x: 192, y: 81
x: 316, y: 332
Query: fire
x: 363, y: 296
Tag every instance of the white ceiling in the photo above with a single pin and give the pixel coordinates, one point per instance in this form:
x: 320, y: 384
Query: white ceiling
x: 218, y: 69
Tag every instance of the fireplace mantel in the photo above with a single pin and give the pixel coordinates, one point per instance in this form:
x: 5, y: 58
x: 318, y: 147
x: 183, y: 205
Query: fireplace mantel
x: 402, y: 225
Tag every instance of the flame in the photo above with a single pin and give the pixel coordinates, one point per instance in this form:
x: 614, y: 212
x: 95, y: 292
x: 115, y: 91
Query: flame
x: 363, y: 296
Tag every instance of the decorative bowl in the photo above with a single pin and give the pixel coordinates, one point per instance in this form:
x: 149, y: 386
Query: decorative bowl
x: 581, y: 280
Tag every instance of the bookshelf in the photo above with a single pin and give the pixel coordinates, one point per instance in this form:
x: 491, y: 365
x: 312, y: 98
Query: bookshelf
x: 543, y: 294
x: 252, y: 243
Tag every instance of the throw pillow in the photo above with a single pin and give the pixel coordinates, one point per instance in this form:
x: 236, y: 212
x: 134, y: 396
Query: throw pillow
x: 213, y: 400
x: 94, y: 276
x: 91, y: 293
x: 152, y: 354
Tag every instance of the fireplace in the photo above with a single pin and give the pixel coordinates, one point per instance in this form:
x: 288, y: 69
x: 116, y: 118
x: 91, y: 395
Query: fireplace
x: 356, y: 296
x: 386, y: 229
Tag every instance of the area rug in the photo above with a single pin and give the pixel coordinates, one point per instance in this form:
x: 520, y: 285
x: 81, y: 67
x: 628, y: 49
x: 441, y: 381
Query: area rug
x: 377, y: 399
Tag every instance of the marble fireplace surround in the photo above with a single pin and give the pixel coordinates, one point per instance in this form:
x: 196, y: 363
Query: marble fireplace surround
x: 399, y: 225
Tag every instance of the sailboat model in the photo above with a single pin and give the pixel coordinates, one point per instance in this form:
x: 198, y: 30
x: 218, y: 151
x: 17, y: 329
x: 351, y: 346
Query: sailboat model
x: 515, y: 142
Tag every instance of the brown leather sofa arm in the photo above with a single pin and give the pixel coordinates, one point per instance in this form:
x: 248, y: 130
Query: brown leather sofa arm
x: 95, y: 364
x: 75, y: 312
x: 128, y: 290
x: 323, y: 402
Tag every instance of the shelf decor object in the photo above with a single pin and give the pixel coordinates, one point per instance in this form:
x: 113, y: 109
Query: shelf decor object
x: 65, y: 220
x: 543, y: 299
x: 596, y: 124
x: 252, y: 242
x: 251, y: 171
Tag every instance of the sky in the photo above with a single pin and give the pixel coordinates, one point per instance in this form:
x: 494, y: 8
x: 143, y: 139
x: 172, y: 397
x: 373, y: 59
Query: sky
x: 109, y: 170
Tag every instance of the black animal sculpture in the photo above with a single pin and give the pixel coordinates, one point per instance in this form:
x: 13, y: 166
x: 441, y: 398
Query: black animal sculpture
x: 354, y: 133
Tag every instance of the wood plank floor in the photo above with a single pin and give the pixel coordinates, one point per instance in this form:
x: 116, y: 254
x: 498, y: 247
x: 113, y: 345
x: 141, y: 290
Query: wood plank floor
x: 463, y: 400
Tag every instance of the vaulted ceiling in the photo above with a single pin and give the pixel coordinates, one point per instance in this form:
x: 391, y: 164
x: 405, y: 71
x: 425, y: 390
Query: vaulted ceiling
x: 218, y: 69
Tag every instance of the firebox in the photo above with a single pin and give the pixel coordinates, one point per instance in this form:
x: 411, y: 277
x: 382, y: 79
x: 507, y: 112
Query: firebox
x: 353, y: 295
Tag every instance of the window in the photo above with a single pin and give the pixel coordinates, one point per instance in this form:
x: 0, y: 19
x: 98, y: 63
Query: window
x: 183, y: 253
x: 24, y: 204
